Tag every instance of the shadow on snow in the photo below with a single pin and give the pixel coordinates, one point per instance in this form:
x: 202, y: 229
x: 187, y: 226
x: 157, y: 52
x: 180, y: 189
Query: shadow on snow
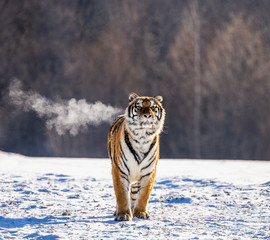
x: 178, y: 182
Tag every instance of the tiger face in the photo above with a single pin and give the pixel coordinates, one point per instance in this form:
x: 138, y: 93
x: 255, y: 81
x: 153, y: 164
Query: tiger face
x: 145, y: 112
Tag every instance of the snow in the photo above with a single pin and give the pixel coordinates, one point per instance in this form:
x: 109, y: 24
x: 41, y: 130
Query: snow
x: 63, y: 198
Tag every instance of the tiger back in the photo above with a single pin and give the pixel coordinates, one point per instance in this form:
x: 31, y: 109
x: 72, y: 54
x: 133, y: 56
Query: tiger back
x: 133, y: 147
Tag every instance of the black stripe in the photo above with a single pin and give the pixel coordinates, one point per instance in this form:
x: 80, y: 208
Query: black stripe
x: 122, y: 171
x: 134, y: 140
x: 159, y: 113
x: 118, y: 124
x: 125, y: 178
x: 155, y: 154
x: 129, y: 111
x: 126, y: 167
x: 115, y: 124
x: 151, y: 147
x: 150, y: 133
x: 134, y: 199
x: 131, y: 149
x: 114, y: 161
x: 124, y: 159
x: 122, y: 152
x: 119, y: 118
x: 134, y: 133
x: 145, y: 175
x: 131, y: 123
x: 135, y: 192
x: 149, y: 163
x: 109, y: 150
x: 114, y: 158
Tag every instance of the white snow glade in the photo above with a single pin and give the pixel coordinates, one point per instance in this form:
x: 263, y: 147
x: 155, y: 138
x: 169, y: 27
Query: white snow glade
x: 62, y: 198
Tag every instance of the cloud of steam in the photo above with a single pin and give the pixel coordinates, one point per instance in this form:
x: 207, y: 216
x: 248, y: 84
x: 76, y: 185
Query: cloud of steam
x: 64, y: 116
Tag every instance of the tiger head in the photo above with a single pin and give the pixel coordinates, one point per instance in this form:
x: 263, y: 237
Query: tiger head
x: 145, y: 112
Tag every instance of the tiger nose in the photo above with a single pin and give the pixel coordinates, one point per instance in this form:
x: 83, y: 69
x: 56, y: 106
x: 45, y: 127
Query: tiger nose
x: 147, y: 115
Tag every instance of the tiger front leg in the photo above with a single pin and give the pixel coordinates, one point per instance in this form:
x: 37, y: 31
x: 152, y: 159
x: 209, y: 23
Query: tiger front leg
x: 121, y: 189
x: 134, y: 190
x: 147, y: 183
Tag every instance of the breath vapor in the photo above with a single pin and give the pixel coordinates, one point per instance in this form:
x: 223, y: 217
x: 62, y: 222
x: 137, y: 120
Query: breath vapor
x: 63, y: 115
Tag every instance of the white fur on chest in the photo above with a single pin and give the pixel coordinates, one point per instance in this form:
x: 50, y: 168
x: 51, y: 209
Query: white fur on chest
x: 143, y: 142
x: 141, y: 147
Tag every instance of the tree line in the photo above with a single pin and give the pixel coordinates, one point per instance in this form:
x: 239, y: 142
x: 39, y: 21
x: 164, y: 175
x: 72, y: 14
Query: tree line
x: 210, y: 60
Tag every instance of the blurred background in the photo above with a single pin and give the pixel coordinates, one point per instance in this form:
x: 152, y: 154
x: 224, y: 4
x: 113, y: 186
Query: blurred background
x: 210, y: 60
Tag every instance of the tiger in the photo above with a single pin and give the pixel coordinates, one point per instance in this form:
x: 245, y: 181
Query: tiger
x: 133, y: 147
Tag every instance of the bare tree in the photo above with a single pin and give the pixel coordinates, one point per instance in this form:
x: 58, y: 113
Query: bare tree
x: 195, y: 18
x: 236, y: 90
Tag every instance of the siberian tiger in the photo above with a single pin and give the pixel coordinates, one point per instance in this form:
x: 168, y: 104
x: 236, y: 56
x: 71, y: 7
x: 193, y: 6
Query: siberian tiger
x: 133, y: 146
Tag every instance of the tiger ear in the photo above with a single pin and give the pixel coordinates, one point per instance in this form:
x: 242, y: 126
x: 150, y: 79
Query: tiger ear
x: 159, y: 98
x: 132, y: 96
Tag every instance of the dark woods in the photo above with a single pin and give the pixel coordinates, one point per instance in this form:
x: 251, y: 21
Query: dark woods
x: 210, y: 60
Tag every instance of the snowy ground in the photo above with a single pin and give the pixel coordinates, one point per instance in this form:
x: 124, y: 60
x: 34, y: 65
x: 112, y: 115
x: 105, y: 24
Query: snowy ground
x: 50, y: 198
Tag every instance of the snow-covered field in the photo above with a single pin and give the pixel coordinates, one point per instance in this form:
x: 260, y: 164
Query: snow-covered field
x: 57, y: 198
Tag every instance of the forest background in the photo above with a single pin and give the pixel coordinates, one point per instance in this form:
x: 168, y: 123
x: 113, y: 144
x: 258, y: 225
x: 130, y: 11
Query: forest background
x: 210, y: 60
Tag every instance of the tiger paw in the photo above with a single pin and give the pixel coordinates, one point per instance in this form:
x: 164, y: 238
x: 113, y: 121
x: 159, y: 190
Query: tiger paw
x: 123, y: 217
x: 141, y: 215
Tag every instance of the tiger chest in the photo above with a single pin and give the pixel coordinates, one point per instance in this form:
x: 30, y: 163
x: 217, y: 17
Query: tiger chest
x: 138, y: 157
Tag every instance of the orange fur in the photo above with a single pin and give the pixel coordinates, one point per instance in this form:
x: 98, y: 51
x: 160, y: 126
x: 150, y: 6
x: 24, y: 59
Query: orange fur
x: 114, y: 146
x: 133, y: 172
